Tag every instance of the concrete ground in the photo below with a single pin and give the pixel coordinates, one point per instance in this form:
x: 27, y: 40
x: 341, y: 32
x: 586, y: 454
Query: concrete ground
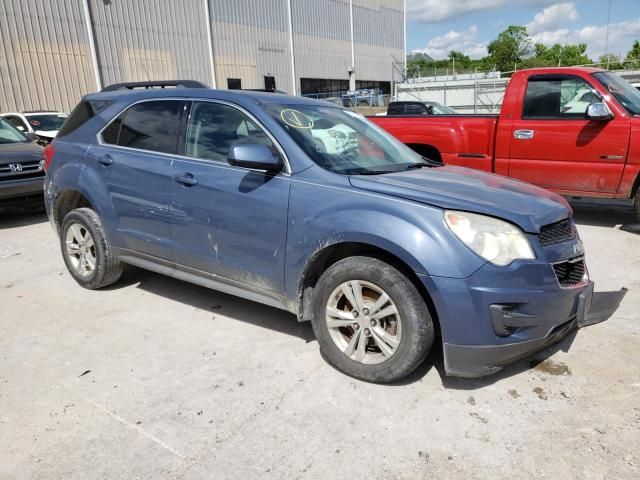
x: 156, y: 378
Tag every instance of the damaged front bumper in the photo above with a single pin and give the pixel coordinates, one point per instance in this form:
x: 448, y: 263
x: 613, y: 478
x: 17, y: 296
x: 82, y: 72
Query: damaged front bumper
x: 479, y: 360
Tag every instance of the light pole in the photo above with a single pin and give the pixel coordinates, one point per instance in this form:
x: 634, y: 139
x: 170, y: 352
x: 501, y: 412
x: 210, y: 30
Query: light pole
x: 606, y: 41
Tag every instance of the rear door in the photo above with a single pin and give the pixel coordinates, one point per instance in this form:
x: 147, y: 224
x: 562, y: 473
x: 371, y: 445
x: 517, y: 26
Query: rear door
x: 134, y: 159
x: 554, y: 146
x: 228, y: 221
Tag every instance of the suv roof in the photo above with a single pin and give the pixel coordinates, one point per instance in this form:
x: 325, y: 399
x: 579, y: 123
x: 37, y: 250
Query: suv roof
x: 200, y: 92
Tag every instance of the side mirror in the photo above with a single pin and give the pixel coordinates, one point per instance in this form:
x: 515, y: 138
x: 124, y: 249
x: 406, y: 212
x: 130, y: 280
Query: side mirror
x: 32, y: 137
x: 599, y: 112
x: 256, y: 156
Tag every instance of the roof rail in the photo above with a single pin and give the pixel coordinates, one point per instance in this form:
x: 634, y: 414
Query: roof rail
x: 261, y: 90
x: 154, y: 84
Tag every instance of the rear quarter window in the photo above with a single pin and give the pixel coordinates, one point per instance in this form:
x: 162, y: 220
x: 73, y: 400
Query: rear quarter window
x: 84, y: 111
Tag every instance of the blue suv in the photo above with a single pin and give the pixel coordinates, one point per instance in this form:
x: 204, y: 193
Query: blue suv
x: 309, y: 207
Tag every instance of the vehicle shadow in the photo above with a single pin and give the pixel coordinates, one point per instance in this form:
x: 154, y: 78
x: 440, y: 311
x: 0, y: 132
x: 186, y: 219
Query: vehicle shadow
x: 603, y: 213
x: 230, y: 306
x: 21, y: 217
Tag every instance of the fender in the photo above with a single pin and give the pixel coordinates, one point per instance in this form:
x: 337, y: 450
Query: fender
x: 398, y: 227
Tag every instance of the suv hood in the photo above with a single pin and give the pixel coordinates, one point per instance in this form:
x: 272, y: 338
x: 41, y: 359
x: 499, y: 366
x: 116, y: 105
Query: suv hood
x: 459, y: 188
x: 20, y: 152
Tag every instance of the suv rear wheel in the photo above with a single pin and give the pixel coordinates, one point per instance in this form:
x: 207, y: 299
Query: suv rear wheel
x: 86, y: 251
x: 370, y: 320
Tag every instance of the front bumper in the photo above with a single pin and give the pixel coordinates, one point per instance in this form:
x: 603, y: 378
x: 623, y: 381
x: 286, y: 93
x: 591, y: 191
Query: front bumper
x: 499, y: 315
x: 479, y: 360
x: 15, y: 191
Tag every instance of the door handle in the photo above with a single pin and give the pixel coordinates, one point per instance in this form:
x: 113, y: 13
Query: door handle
x: 523, y: 134
x: 105, y: 159
x: 185, y: 179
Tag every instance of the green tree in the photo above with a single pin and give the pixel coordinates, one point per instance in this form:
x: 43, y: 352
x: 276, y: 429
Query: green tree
x: 560, y: 55
x: 512, y: 47
x: 612, y: 61
x: 634, y: 54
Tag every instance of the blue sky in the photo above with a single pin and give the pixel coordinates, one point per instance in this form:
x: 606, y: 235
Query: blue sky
x: 438, y: 26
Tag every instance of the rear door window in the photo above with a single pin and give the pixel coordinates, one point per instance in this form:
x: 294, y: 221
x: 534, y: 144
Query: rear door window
x: 395, y: 109
x: 415, y: 109
x: 152, y: 126
x: 558, y: 98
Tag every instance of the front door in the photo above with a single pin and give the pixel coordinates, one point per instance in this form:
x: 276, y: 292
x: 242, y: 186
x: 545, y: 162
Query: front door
x: 554, y: 146
x: 228, y: 221
x: 134, y: 160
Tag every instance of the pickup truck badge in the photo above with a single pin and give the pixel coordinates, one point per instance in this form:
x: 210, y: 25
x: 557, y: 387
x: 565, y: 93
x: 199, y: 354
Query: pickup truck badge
x: 15, y: 167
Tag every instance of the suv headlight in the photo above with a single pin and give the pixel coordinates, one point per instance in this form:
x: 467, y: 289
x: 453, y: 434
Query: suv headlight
x: 494, y: 240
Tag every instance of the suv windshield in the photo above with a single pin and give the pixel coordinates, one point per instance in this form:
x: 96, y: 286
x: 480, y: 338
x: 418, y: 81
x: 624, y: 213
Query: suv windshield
x: 622, y: 90
x: 10, y: 134
x: 51, y: 121
x: 342, y: 141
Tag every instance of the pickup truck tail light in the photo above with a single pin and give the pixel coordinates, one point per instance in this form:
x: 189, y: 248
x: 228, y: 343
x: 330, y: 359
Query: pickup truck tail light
x: 49, y: 151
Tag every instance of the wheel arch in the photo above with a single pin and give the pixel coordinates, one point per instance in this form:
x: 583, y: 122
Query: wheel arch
x: 66, y: 201
x: 426, y: 150
x: 326, y: 257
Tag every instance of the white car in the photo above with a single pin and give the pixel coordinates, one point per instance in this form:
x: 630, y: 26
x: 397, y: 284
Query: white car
x: 44, y: 124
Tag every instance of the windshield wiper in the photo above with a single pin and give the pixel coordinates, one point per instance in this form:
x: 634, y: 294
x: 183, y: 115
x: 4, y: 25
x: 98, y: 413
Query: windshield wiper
x: 376, y: 172
x: 426, y: 162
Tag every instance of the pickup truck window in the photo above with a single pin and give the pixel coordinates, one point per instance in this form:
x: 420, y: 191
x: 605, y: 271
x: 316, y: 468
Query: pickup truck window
x: 342, y: 141
x: 623, y: 91
x: 557, y: 98
x: 415, y: 108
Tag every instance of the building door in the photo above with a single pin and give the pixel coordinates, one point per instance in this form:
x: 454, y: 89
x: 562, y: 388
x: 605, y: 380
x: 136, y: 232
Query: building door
x: 270, y: 83
x: 234, y: 83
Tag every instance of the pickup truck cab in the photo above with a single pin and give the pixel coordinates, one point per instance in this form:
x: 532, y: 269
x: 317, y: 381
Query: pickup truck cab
x: 575, y: 131
x: 378, y: 249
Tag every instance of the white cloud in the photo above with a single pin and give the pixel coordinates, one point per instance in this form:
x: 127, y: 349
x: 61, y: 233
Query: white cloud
x: 552, y: 17
x: 621, y: 37
x: 465, y: 42
x: 433, y: 11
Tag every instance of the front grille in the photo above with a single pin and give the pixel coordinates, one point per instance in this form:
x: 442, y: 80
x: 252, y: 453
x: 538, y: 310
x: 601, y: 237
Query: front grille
x: 21, y: 170
x: 562, y: 231
x: 570, y: 273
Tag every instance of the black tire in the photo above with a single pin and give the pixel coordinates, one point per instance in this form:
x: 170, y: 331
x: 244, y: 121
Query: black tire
x: 108, y: 269
x: 417, y: 325
x: 636, y: 205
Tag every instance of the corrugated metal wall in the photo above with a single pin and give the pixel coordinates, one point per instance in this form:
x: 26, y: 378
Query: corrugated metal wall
x: 378, y: 33
x: 151, y: 39
x: 45, y: 59
x: 251, y: 41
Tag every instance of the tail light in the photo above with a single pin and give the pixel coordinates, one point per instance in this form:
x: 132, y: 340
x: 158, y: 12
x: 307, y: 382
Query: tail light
x: 49, y: 151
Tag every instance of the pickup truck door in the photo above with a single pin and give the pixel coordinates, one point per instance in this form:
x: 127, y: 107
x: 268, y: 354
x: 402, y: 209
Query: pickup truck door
x: 554, y: 146
x: 228, y: 221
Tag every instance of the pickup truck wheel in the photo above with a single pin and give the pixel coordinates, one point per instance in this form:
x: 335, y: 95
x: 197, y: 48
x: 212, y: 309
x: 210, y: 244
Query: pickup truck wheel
x: 86, y: 251
x: 370, y: 321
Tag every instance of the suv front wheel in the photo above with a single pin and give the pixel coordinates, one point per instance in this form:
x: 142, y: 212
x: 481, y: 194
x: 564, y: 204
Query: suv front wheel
x: 86, y: 251
x: 370, y: 320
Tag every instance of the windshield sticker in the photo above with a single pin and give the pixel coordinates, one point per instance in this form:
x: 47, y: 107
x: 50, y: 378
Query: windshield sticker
x: 296, y: 119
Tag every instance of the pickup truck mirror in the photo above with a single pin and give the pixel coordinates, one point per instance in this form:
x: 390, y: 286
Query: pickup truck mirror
x: 599, y: 112
x: 254, y: 155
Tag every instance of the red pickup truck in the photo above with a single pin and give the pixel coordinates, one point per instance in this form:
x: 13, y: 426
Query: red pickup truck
x: 575, y: 131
